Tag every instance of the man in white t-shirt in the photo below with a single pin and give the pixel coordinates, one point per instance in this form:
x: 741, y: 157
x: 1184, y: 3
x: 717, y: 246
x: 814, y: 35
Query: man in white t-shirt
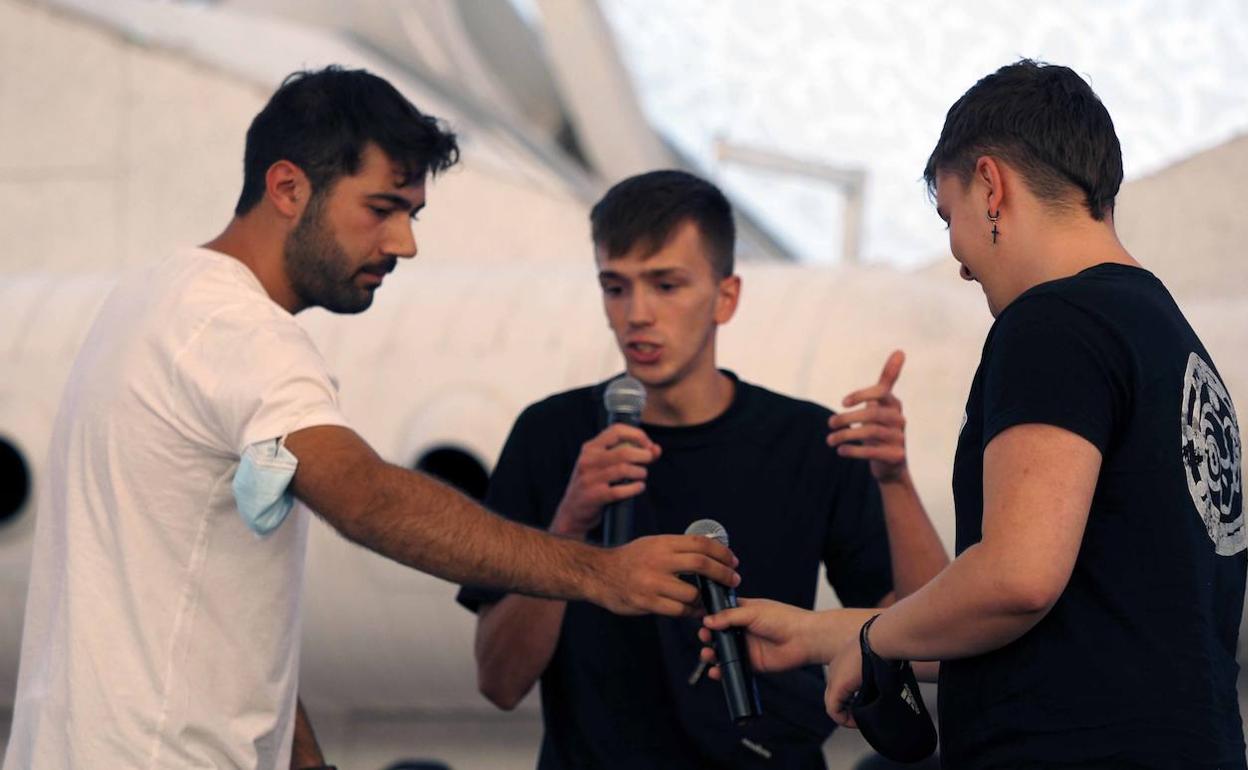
x: 162, y: 626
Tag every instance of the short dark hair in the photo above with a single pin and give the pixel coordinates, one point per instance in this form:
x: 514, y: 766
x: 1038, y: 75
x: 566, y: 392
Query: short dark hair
x: 321, y: 121
x: 644, y: 210
x: 1044, y: 120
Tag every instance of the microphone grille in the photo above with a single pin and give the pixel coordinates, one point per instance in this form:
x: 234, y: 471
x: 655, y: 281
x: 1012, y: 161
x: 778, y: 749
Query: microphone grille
x: 625, y: 394
x: 709, y: 528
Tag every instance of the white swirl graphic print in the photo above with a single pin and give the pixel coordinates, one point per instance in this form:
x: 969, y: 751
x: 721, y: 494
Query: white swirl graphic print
x: 1213, y: 456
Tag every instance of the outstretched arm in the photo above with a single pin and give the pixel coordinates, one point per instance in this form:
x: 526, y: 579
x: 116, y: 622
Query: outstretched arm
x: 420, y: 522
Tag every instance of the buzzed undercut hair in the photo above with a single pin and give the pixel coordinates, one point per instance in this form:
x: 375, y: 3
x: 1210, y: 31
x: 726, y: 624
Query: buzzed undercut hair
x: 1046, y: 122
x: 645, y: 210
x: 321, y: 121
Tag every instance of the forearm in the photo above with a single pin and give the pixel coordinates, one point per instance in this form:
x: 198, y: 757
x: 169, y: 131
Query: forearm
x: 966, y: 610
x: 305, y: 751
x: 425, y: 524
x: 915, y: 548
x: 516, y: 638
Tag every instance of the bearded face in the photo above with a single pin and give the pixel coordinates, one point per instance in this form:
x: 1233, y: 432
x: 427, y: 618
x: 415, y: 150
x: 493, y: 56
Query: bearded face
x: 320, y: 270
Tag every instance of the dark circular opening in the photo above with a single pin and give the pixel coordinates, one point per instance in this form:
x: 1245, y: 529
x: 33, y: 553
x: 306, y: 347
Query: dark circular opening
x: 14, y: 481
x: 458, y: 468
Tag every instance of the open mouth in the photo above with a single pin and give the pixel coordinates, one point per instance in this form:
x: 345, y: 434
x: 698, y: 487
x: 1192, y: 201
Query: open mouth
x: 643, y: 352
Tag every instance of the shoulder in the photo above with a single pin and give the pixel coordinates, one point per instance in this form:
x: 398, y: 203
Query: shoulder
x: 1098, y: 296
x: 573, y: 414
x: 564, y: 404
x: 1051, y: 315
x: 779, y: 406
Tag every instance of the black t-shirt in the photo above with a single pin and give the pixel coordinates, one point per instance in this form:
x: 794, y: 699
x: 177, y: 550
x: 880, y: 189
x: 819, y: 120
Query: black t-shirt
x: 1134, y: 666
x: 617, y: 692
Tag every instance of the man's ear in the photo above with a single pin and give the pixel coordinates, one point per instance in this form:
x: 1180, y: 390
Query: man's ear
x: 726, y: 301
x: 990, y: 180
x: 287, y: 188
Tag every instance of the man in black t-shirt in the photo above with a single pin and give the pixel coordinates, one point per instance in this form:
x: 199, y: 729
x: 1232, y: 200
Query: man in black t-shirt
x: 629, y: 693
x: 1091, y: 616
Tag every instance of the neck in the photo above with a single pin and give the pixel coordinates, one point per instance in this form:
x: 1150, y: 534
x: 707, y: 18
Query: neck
x: 692, y: 401
x: 1059, y: 250
x: 260, y: 248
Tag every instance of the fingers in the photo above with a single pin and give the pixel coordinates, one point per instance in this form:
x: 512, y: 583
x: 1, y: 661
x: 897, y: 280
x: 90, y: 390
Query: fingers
x: 681, y: 591
x: 876, y: 414
x: 603, y: 467
x: 877, y: 433
x: 873, y: 393
x: 660, y: 605
x: 663, y: 594
x: 707, y: 655
x: 614, y: 474
x: 706, y: 546
x: 872, y: 434
x: 701, y: 564
x: 623, y: 453
x: 615, y: 492
x: 894, y: 455
x: 836, y: 701
x: 629, y: 435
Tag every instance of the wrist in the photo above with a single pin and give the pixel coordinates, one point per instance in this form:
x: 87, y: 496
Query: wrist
x: 898, y: 480
x: 563, y: 526
x: 834, y: 631
x: 822, y: 635
x: 879, y: 638
x: 590, y: 568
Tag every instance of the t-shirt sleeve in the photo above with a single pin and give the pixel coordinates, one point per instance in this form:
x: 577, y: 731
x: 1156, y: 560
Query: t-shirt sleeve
x: 856, y: 549
x: 512, y: 493
x: 258, y: 381
x: 1052, y: 363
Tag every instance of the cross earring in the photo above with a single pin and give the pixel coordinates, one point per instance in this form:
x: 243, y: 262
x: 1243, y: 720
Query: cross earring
x: 993, y: 219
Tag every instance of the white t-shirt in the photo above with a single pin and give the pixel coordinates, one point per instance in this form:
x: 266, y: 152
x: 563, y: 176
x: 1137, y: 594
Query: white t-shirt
x: 160, y: 631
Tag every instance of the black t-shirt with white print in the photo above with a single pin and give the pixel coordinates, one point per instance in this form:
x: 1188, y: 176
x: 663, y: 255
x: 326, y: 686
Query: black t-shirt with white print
x: 619, y: 692
x: 1134, y: 666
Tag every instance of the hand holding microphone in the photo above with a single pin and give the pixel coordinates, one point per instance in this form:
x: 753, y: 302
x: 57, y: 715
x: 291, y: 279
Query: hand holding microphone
x: 733, y: 657
x: 611, y: 468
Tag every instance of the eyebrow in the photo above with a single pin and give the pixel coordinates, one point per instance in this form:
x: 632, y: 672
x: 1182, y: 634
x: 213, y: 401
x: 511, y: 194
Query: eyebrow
x: 397, y: 200
x: 657, y: 273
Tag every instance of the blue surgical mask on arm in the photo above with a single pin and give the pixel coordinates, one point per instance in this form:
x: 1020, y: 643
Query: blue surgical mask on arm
x: 262, y: 485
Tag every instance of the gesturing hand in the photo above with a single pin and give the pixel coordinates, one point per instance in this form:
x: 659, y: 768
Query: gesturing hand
x: 879, y: 425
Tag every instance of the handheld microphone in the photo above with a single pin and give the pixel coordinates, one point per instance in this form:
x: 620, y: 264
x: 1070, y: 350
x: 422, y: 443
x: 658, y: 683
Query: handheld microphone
x: 732, y: 656
x: 624, y: 399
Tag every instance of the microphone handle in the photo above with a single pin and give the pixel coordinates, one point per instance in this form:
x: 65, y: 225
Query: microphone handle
x: 617, y: 523
x: 732, y: 656
x: 617, y: 518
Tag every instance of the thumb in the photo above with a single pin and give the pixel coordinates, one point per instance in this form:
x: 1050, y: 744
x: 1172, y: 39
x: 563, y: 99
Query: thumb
x: 892, y: 368
x: 734, y: 616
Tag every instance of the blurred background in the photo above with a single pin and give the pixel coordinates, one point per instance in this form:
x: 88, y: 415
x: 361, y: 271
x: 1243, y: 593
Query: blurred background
x: 121, y: 138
